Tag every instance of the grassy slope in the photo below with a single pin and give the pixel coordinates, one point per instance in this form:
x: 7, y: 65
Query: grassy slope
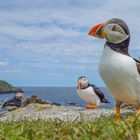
x: 104, y: 128
x: 4, y: 85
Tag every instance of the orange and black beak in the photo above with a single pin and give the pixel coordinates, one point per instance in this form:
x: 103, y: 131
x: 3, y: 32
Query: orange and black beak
x: 79, y: 85
x: 96, y: 31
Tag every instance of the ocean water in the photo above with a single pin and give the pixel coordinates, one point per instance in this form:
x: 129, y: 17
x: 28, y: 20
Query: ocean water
x: 61, y: 95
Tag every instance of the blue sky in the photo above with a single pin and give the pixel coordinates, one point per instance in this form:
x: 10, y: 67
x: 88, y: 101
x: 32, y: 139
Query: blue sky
x: 45, y: 42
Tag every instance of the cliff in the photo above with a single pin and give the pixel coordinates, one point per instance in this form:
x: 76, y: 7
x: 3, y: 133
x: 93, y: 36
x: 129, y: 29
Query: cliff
x: 8, y: 88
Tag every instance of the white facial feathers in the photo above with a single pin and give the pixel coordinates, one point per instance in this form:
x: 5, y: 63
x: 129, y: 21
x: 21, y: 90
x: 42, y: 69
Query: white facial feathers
x: 115, y: 33
x: 84, y: 82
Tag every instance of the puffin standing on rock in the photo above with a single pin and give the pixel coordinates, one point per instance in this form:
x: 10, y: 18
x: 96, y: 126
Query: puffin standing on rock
x: 119, y: 71
x: 90, y: 93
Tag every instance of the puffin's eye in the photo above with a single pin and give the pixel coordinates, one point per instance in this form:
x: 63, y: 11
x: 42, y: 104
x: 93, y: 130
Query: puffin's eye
x: 118, y: 29
x: 114, y: 28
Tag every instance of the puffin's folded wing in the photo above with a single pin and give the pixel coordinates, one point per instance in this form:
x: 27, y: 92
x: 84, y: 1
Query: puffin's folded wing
x: 137, y: 64
x: 98, y: 92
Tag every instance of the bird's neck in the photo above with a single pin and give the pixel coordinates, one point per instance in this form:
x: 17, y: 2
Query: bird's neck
x: 120, y: 47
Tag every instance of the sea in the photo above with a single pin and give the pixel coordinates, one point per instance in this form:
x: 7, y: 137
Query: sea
x: 60, y: 95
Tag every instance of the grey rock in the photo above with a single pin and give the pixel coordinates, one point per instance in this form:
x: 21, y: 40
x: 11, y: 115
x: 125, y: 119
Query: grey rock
x: 36, y: 111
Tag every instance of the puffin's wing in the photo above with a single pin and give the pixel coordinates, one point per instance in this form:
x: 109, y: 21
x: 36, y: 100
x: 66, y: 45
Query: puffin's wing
x: 137, y: 64
x: 98, y: 92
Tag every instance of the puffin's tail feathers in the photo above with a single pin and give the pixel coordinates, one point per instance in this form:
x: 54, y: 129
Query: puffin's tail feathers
x: 105, y: 101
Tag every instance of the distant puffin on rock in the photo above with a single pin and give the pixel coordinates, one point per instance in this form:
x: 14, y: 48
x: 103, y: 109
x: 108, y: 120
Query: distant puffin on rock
x: 90, y: 93
x: 119, y: 71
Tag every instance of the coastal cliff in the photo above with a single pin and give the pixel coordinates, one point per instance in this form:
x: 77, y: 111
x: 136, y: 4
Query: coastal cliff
x: 5, y: 87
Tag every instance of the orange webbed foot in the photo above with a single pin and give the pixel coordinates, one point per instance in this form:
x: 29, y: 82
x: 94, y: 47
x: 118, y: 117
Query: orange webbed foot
x: 91, y: 107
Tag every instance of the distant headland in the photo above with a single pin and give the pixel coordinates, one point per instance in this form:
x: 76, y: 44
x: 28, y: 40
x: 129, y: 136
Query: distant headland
x: 5, y: 87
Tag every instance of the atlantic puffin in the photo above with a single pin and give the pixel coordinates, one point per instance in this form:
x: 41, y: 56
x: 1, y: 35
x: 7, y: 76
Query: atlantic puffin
x: 119, y: 71
x: 14, y: 102
x: 90, y: 93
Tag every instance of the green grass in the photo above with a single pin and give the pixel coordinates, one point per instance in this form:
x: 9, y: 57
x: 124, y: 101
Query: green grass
x: 103, y: 128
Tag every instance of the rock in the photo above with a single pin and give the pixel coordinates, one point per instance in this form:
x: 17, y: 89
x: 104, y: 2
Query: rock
x: 71, y: 103
x: 11, y: 108
x: 55, y: 103
x: 36, y: 111
x: 128, y: 106
x: 34, y: 99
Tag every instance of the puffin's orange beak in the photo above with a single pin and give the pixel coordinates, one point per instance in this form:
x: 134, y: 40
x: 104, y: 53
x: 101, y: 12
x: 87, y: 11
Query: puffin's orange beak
x: 96, y: 31
x: 79, y: 85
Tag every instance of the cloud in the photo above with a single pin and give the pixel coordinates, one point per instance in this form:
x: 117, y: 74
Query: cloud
x: 3, y: 63
x: 51, y: 36
x: 11, y: 71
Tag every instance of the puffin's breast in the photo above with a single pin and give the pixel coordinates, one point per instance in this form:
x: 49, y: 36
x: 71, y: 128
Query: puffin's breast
x: 89, y: 96
x: 119, y: 72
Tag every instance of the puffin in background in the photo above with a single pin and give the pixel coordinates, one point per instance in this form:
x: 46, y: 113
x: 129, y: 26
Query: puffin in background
x: 119, y: 71
x: 90, y: 93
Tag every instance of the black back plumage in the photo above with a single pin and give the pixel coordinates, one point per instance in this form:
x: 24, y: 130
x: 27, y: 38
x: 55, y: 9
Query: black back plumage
x: 99, y: 93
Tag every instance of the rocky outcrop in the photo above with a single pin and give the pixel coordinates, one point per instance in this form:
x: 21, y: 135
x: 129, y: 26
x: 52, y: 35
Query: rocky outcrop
x: 8, y: 88
x: 129, y: 106
x: 13, y: 90
x: 36, y: 111
x: 34, y: 99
